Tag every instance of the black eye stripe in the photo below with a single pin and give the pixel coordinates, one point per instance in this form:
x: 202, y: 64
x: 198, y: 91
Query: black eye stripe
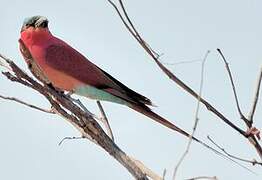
x: 30, y: 24
x: 44, y: 24
x: 35, y: 22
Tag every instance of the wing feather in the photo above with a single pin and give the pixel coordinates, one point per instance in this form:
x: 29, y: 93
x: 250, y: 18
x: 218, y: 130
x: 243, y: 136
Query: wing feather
x: 32, y: 65
x: 66, y: 59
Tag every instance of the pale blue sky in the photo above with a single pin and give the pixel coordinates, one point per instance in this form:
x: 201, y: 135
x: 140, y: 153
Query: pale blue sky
x: 183, y: 31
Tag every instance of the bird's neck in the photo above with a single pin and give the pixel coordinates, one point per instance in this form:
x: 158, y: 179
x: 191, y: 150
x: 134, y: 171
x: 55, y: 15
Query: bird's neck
x: 39, y: 36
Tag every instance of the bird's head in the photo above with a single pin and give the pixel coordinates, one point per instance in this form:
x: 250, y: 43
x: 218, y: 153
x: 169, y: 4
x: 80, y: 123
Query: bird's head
x: 35, y: 23
x: 35, y: 30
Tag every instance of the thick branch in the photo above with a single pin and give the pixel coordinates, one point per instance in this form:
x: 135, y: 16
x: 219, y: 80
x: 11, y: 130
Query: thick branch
x: 80, y: 119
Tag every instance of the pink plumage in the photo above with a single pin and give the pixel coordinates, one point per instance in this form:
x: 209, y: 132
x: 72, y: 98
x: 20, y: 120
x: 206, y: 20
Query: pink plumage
x: 55, y: 61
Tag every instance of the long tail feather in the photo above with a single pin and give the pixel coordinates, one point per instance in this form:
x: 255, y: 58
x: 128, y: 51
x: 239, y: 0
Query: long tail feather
x: 141, y: 108
x: 149, y: 113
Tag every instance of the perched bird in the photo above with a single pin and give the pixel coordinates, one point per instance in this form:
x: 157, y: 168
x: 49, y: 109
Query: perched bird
x: 54, y: 62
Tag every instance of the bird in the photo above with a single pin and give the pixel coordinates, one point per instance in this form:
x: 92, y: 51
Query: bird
x: 54, y: 62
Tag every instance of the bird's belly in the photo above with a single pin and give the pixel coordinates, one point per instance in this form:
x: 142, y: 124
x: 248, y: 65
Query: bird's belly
x: 62, y: 80
x: 68, y: 83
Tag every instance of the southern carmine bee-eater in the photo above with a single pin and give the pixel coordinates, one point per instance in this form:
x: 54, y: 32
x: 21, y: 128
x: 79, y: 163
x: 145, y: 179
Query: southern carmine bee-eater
x: 55, y: 62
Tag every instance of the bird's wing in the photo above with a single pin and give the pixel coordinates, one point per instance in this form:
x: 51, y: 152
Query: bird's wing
x: 69, y: 61
x: 32, y: 65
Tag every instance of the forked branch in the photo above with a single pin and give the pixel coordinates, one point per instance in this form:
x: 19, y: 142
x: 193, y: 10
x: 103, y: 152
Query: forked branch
x: 257, y: 90
x: 122, y: 13
x: 82, y: 120
x: 234, y: 89
x: 253, y: 162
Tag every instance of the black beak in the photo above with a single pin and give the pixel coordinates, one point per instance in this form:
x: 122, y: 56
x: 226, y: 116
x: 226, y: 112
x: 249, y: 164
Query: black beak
x: 35, y: 22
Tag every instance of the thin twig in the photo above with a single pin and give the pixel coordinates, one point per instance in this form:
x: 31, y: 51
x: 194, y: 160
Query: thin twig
x: 164, y: 174
x: 26, y: 104
x: 252, y: 139
x: 68, y: 118
x: 3, y: 63
x: 253, y: 162
x: 203, y: 177
x: 196, y: 117
x: 105, y: 120
x: 234, y: 89
x: 181, y: 62
x: 169, y: 73
x: 175, y: 79
x: 257, y: 90
x: 69, y: 138
x: 77, y: 101
x: 130, y: 27
x: 122, y: 19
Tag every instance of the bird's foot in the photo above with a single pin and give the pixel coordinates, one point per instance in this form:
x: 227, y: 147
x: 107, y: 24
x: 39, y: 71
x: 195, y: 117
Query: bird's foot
x: 68, y: 96
x: 253, y: 131
x: 70, y: 93
x: 59, y: 91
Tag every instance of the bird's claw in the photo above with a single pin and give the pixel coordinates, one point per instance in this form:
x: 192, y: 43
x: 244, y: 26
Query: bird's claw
x: 59, y: 91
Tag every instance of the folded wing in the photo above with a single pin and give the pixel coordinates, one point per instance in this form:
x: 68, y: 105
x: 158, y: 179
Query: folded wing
x: 69, y: 61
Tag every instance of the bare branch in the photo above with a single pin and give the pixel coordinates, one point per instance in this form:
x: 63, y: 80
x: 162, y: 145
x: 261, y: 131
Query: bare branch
x: 252, y: 139
x: 105, y: 120
x: 181, y: 62
x: 68, y: 118
x: 3, y: 63
x: 146, y: 170
x: 257, y: 90
x: 164, y: 174
x: 69, y: 138
x: 77, y: 101
x: 174, y: 78
x: 80, y: 119
x: 196, y: 117
x: 203, y: 177
x: 234, y: 89
x: 26, y: 104
x: 122, y: 19
x: 253, y: 162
